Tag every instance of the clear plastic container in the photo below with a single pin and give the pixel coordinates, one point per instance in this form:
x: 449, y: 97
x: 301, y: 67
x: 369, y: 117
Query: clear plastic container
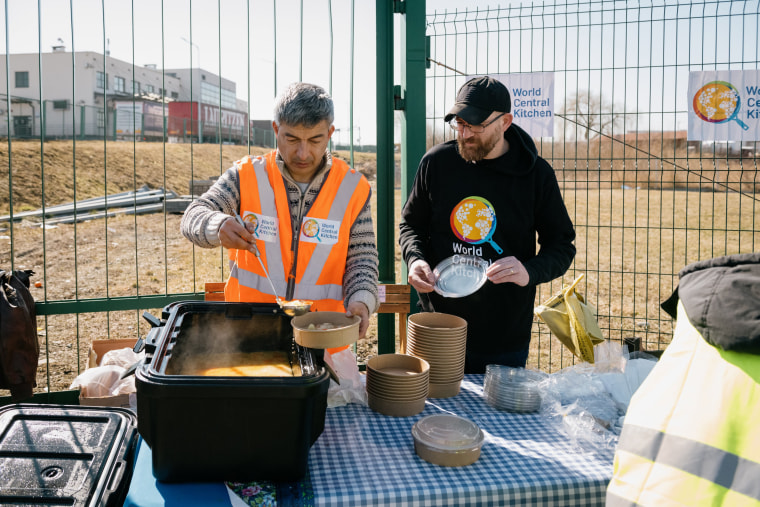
x: 447, y: 440
x: 512, y: 389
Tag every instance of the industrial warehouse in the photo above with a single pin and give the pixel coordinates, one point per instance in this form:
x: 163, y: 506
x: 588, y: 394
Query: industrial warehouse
x: 89, y: 95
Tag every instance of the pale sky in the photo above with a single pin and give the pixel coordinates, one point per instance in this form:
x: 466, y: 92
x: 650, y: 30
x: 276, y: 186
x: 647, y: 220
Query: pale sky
x: 141, y: 32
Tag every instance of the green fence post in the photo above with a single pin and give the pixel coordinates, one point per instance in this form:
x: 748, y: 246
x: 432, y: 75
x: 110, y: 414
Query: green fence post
x: 386, y: 342
x: 413, y: 131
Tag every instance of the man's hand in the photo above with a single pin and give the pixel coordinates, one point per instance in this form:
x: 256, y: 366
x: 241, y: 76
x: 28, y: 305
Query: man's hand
x: 508, y: 269
x: 234, y: 235
x: 360, y: 309
x: 421, y: 277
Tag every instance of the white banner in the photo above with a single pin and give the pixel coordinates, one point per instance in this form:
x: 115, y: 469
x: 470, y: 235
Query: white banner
x: 724, y: 105
x: 532, y: 101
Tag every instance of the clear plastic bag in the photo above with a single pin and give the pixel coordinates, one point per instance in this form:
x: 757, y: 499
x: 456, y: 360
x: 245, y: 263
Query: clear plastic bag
x: 610, y: 356
x: 124, y: 386
x: 588, y: 402
x: 351, y: 388
x: 125, y: 357
x: 580, y: 406
x: 99, y: 381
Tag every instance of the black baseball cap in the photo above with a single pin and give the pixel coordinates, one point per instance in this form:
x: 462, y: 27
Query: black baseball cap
x: 478, y: 98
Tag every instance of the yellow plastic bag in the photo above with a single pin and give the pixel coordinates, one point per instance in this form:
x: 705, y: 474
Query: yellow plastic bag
x: 572, y: 321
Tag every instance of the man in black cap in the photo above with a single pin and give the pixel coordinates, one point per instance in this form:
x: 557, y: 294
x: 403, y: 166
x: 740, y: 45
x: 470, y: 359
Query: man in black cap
x: 486, y: 198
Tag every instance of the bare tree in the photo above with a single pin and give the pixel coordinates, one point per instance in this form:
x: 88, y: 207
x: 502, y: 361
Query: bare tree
x: 587, y: 115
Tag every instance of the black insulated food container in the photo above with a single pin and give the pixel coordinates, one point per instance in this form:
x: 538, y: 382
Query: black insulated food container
x: 209, y: 428
x: 66, y: 455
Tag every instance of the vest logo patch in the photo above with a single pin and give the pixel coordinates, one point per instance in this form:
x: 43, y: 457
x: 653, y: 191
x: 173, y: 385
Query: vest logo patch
x: 265, y: 227
x: 317, y: 230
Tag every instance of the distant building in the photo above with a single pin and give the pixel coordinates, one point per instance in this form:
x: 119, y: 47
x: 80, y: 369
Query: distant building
x: 90, y: 95
x: 678, y: 139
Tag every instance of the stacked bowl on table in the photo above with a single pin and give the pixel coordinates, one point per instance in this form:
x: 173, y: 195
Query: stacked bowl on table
x: 397, y: 384
x: 513, y: 389
x: 441, y: 340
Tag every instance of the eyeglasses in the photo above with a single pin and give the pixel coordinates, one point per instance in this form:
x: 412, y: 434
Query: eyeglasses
x: 459, y: 125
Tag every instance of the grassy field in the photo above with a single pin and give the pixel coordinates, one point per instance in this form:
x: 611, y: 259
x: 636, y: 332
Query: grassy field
x: 637, y: 225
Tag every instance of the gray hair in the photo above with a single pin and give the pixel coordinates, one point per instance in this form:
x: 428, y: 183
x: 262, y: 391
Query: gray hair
x: 303, y: 104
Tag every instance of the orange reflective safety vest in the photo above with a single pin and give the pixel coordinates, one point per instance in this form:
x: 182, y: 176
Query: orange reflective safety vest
x: 309, y: 262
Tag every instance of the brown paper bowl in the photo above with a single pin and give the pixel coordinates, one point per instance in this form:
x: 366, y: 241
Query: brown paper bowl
x: 447, y: 440
x: 431, y: 321
x: 395, y: 408
x: 398, y: 396
x: 346, y: 330
x: 446, y: 459
x: 444, y: 390
x: 397, y: 365
x: 379, y: 386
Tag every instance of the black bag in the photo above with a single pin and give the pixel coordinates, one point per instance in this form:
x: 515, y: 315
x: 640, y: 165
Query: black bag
x: 19, y: 346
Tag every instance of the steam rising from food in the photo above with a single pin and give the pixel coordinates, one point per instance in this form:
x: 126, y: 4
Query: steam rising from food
x: 229, y: 344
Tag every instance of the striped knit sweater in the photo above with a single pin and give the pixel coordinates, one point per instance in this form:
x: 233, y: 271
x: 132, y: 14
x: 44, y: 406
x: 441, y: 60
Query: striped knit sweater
x: 203, y: 218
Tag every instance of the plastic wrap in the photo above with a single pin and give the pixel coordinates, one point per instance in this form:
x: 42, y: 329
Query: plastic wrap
x: 99, y: 381
x: 588, y: 402
x: 578, y: 402
x: 351, y: 388
x: 580, y: 406
x: 125, y: 357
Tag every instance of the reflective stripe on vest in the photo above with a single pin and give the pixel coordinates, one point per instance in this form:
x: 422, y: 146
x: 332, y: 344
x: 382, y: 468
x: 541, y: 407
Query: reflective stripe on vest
x: 269, y: 208
x: 321, y: 252
x: 715, y: 465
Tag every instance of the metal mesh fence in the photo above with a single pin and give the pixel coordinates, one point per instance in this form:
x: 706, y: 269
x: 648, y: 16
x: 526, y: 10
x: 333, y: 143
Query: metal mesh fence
x: 645, y: 201
x: 134, y: 110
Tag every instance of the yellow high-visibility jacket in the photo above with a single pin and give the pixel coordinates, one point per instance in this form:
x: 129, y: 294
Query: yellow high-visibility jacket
x: 691, y: 435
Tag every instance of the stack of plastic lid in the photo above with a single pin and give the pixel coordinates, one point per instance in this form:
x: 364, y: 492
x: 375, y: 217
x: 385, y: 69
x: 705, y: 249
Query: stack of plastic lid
x: 447, y: 440
x: 441, y: 340
x: 512, y: 389
x: 397, y: 384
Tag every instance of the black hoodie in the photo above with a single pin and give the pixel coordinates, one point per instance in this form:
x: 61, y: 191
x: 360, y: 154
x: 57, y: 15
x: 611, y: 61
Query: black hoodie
x: 521, y: 188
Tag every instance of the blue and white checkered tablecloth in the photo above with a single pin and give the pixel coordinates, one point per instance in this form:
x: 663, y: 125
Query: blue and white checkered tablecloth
x: 365, y: 458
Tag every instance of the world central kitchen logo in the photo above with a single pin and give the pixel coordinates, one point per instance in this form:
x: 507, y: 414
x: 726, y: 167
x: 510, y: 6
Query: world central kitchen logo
x: 720, y: 102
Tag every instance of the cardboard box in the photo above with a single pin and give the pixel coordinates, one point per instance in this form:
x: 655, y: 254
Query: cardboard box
x: 97, y: 350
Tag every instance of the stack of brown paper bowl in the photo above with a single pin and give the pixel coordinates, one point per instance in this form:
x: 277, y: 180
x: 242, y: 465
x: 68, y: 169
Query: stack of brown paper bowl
x: 397, y: 384
x: 441, y: 340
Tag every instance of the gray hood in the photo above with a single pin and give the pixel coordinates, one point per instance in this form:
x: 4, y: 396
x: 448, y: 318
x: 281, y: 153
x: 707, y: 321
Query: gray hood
x: 721, y: 297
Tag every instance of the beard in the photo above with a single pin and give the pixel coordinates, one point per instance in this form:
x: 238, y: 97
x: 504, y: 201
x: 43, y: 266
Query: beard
x: 476, y: 148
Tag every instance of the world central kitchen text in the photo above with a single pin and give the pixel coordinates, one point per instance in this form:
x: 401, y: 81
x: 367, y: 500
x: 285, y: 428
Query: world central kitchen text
x: 529, y: 103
